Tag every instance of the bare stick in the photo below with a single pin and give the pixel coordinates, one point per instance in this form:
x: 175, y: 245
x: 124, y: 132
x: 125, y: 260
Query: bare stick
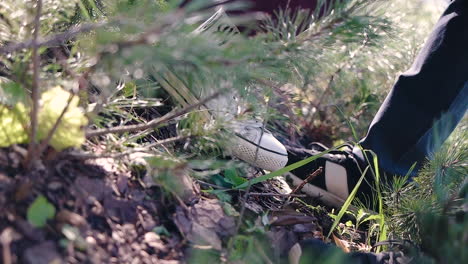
x: 328, y: 88
x: 310, y: 177
x: 264, y: 256
x: 84, y: 156
x: 35, y: 88
x: 152, y: 124
x: 242, y: 211
x: 51, y: 40
x: 278, y: 194
x: 251, y: 193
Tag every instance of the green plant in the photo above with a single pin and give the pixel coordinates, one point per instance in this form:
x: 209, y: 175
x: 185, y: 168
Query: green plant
x: 377, y: 202
x: 142, y: 77
x: 61, y: 122
x: 40, y: 211
x: 428, y: 210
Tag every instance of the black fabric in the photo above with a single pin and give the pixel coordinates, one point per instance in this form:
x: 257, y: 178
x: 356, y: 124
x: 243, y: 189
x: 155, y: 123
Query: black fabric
x: 401, y: 130
x: 422, y: 95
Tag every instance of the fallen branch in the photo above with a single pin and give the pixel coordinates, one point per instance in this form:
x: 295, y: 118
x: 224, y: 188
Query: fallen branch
x: 213, y: 185
x: 152, y: 124
x: 242, y: 211
x: 278, y: 194
x: 250, y: 193
x: 83, y: 156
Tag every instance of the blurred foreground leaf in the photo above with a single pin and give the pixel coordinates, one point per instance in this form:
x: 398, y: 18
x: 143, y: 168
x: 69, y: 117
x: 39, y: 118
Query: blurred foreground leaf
x: 15, y: 120
x: 40, y: 211
x: 11, y: 125
x: 69, y: 132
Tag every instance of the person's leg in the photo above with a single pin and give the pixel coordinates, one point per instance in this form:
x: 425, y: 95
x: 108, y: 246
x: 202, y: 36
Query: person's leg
x: 421, y: 110
x: 427, y: 102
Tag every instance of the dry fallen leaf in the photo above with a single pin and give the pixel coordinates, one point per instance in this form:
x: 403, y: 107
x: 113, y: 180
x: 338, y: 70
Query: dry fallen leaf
x: 68, y: 217
x: 153, y: 240
x: 205, y: 223
x: 343, y: 244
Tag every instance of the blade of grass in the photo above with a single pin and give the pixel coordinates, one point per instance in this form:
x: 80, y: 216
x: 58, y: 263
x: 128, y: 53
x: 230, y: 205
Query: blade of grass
x: 347, y: 203
x: 84, y: 10
x: 176, y: 88
x: 376, y: 172
x: 349, y: 124
x: 382, y: 226
x: 285, y: 169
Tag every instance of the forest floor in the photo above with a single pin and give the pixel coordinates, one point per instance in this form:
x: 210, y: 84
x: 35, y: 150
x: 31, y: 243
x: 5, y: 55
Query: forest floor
x: 106, y: 213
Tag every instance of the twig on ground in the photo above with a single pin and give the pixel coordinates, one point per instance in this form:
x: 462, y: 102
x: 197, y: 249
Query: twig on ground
x: 264, y: 122
x: 128, y: 152
x: 277, y: 194
x: 251, y: 193
x: 329, y: 86
x: 287, y: 102
x: 242, y: 211
x: 264, y: 256
x: 32, y: 151
x: 310, y: 177
x: 181, y: 202
x: 152, y: 124
x: 277, y: 91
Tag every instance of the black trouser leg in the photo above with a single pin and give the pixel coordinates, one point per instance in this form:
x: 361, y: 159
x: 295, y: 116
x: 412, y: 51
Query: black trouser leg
x: 426, y: 102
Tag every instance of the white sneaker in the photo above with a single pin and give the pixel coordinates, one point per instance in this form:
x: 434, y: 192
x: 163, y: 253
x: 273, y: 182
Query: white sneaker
x: 257, y: 146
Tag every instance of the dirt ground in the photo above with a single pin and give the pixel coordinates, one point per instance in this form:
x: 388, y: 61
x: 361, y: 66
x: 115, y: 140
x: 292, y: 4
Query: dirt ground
x: 105, y: 213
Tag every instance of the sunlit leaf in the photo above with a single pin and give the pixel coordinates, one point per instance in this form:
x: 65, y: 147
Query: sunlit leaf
x: 15, y: 120
x: 12, y: 122
x: 70, y: 131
